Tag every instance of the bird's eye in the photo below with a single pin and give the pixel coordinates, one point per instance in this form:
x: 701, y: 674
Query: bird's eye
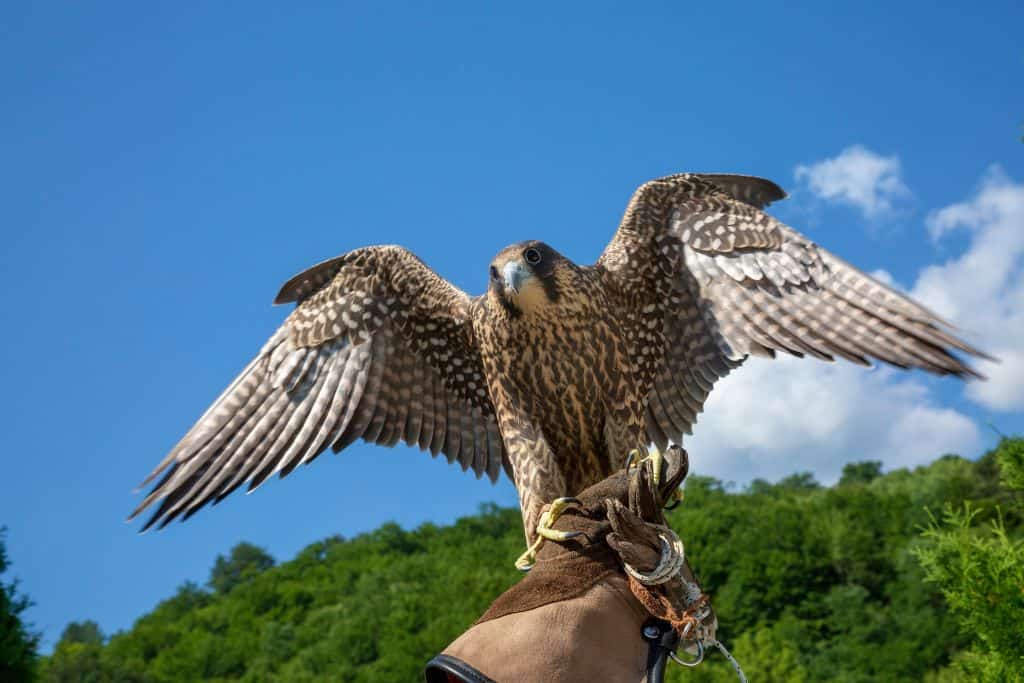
x: 494, y: 273
x: 532, y: 256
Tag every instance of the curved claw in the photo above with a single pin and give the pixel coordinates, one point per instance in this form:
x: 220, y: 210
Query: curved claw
x: 630, y: 457
x: 559, y: 505
x: 657, y: 458
x: 525, y: 562
x: 675, y: 499
x: 641, y: 455
x: 544, y: 531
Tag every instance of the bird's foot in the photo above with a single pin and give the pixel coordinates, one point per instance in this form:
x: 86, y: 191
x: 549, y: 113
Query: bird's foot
x: 545, y: 532
x: 549, y: 517
x: 525, y: 562
x: 674, y: 499
x: 639, y: 456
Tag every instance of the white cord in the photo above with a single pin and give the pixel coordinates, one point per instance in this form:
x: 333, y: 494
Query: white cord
x: 732, y: 660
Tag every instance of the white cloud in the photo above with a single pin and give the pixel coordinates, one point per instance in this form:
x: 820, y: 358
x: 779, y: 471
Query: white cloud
x: 857, y: 177
x: 772, y: 418
x: 982, y: 289
x: 885, y: 277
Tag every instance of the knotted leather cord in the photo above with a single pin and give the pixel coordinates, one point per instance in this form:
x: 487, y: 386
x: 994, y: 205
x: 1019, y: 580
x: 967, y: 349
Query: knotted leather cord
x: 650, y: 590
x: 654, y: 600
x: 687, y: 623
x: 647, y: 587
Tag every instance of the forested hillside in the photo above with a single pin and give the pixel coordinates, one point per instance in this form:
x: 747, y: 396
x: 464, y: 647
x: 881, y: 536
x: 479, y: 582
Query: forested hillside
x: 809, y: 583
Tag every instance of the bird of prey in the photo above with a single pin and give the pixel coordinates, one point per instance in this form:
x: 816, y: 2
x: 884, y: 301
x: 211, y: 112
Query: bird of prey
x: 558, y: 370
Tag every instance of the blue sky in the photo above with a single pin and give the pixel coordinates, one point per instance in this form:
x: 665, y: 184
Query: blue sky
x: 165, y: 168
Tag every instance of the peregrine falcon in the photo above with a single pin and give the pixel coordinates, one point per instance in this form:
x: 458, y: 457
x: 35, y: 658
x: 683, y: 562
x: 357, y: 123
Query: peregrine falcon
x: 558, y: 370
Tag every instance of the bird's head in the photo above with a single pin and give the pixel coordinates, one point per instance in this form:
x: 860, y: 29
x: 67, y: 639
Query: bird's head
x: 525, y: 277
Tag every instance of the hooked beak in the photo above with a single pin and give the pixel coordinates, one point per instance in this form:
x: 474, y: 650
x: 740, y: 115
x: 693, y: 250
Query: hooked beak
x: 515, y: 275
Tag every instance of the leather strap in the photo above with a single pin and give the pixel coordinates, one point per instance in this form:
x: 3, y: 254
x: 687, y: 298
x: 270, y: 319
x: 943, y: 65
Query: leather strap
x: 662, y: 639
x: 448, y: 669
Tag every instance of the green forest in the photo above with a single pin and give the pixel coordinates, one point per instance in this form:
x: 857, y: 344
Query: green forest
x: 901, y: 576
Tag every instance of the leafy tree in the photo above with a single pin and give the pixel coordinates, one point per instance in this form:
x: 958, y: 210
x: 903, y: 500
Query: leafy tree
x: 1010, y: 456
x: 860, y: 472
x: 770, y: 653
x: 73, y: 662
x: 245, y: 561
x: 80, y: 658
x: 801, y: 481
x: 77, y: 656
x: 981, y: 574
x: 85, y: 632
x: 17, y: 644
x: 810, y: 583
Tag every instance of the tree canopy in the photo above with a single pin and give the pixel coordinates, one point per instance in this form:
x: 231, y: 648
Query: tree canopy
x: 17, y: 643
x: 810, y: 583
x: 980, y: 571
x: 243, y: 564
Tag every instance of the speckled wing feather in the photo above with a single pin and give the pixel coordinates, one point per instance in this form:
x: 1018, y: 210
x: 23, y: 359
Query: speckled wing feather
x: 758, y: 192
x: 744, y: 283
x: 379, y: 348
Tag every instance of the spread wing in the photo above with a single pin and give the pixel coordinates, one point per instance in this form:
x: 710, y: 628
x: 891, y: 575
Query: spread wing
x: 741, y: 283
x: 379, y: 347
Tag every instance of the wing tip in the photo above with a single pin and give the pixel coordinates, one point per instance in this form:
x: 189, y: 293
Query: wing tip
x: 309, y: 280
x: 755, y: 190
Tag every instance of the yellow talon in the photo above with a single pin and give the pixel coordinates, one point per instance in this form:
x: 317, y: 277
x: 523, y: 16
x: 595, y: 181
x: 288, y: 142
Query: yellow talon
x: 554, y: 535
x: 674, y: 499
x: 525, y: 562
x: 558, y: 506
x: 544, y: 532
x: 641, y: 455
x: 633, y: 456
x: 656, y: 459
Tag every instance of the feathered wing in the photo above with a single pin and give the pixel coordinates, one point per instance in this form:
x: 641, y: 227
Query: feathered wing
x: 743, y: 283
x: 378, y: 348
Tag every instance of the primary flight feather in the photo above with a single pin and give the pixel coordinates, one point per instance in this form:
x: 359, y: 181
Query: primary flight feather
x: 559, y: 370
